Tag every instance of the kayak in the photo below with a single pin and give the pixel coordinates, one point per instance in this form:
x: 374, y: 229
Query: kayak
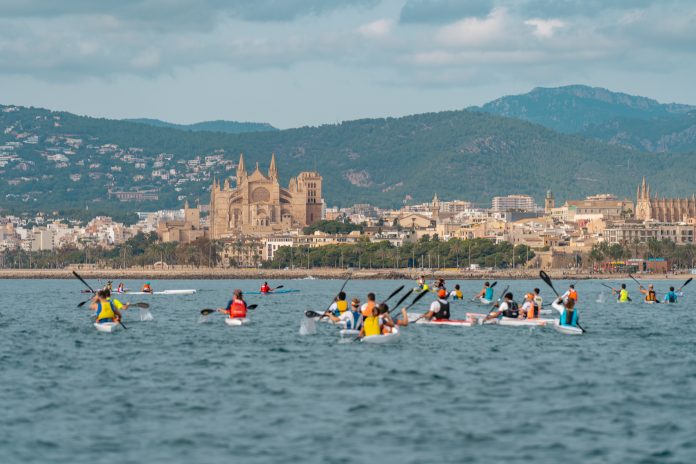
x: 511, y: 322
x: 349, y: 333
x: 107, y: 327
x: 567, y: 329
x: 237, y: 321
x: 382, y: 339
x: 448, y: 322
x: 484, y: 301
x: 276, y: 292
x: 162, y: 292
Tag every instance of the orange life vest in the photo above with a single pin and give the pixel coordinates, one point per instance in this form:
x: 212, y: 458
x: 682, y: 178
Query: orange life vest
x: 367, y: 312
x: 238, y: 309
x: 573, y: 294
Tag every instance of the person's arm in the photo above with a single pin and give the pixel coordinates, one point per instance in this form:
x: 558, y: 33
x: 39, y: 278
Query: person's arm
x: 558, y: 305
x: 226, y: 309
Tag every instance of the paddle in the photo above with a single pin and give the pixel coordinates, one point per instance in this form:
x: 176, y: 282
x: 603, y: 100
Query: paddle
x: 502, y: 295
x: 545, y: 277
x: 141, y: 305
x: 277, y: 288
x: 688, y: 281
x: 332, y: 301
x: 403, y: 298
x: 79, y: 305
x: 208, y: 311
x: 635, y: 280
x: 392, y: 294
x: 608, y: 286
x: 492, y: 285
x: 415, y: 300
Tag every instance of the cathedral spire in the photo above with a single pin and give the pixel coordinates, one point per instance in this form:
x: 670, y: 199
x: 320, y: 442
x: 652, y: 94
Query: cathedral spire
x: 272, y: 170
x: 241, y: 170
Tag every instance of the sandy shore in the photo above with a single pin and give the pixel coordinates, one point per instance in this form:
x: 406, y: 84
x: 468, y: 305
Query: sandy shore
x: 317, y: 273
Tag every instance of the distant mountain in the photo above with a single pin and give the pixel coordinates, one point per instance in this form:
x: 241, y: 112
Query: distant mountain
x: 53, y: 160
x: 228, y: 127
x: 616, y: 118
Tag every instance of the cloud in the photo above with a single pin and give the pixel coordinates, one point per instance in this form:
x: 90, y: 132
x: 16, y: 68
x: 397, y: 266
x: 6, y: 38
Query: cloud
x: 376, y: 29
x: 475, y: 31
x: 443, y: 11
x: 545, y: 28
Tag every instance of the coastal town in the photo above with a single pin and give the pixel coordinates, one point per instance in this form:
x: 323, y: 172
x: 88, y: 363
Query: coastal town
x: 250, y: 217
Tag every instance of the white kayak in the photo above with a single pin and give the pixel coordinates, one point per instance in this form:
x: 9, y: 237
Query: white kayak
x: 567, y: 329
x: 107, y: 327
x: 237, y: 321
x: 512, y: 322
x: 349, y: 333
x: 162, y: 292
x: 382, y: 339
x: 448, y: 322
x: 484, y: 301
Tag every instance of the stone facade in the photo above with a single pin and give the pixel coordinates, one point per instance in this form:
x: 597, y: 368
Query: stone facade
x: 258, y: 205
x: 663, y: 209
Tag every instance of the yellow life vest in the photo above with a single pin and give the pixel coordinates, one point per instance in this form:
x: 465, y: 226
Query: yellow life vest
x: 115, y: 303
x: 371, y: 326
x: 650, y: 296
x: 623, y: 295
x: 342, y: 305
x: 459, y: 294
x: 425, y: 287
x: 105, y: 311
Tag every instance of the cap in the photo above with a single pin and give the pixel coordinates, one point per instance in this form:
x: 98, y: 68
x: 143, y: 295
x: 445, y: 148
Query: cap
x: 442, y: 293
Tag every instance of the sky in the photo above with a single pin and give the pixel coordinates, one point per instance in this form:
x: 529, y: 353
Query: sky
x: 293, y: 63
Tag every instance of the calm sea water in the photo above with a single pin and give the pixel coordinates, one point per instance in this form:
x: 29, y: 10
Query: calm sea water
x: 178, y: 391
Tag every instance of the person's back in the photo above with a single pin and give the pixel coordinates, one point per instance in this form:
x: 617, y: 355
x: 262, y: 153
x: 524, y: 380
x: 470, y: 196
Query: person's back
x: 488, y: 295
x: 104, y: 310
x: 569, y: 315
x: 371, y: 324
x: 265, y: 288
x: 538, y: 300
x: 369, y: 306
x: 671, y: 296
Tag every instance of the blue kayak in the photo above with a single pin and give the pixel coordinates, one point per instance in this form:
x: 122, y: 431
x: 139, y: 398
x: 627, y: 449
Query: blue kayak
x: 277, y: 292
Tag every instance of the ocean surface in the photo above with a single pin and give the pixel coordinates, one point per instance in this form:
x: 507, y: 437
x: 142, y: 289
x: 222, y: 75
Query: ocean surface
x: 178, y: 390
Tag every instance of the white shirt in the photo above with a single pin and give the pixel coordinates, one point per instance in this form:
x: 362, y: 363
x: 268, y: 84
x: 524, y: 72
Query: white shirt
x: 503, y: 306
x: 435, y: 305
x: 348, y: 322
x: 528, y: 306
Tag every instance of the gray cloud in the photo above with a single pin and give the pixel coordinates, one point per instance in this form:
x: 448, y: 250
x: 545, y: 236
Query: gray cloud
x: 588, y: 8
x: 443, y: 11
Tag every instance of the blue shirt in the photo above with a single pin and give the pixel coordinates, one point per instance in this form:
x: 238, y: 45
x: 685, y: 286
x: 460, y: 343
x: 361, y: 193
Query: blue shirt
x: 671, y: 297
x: 489, y: 294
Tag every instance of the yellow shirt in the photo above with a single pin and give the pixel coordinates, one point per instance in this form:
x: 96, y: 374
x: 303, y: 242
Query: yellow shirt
x: 371, y: 326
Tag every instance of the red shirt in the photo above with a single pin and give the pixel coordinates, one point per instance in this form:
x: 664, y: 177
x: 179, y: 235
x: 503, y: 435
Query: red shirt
x: 265, y: 289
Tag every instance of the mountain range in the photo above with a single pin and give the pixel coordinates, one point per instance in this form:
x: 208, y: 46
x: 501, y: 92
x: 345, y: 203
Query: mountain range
x: 60, y: 161
x: 228, y: 127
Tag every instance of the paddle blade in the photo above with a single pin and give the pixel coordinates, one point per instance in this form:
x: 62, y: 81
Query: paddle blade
x: 418, y: 298
x: 402, y: 299
x: 393, y: 293
x: 83, y: 281
x: 207, y: 311
x: 79, y: 305
x: 279, y: 287
x: 310, y: 313
x: 254, y: 306
x: 545, y: 277
x: 141, y: 305
x: 688, y: 281
x: 494, y: 284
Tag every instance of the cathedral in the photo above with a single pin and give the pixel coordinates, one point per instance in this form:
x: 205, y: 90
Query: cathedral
x: 258, y: 205
x: 663, y: 209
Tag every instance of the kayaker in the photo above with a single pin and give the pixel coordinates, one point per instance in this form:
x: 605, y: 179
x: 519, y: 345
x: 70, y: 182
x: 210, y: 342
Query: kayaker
x: 104, y: 310
x: 236, y: 308
x: 366, y: 309
x: 650, y: 295
x: 569, y: 315
x: 571, y: 293
x: 530, y: 310
x: 108, y: 285
x: 456, y: 294
x: 439, y: 283
x: 387, y: 322
x: 121, y: 288
x: 147, y: 288
x: 422, y: 286
x: 486, y: 293
x: 265, y: 288
x: 623, y: 294
x: 340, y: 305
x: 439, y: 309
x: 351, y: 318
x: 372, y: 324
x: 114, y: 302
x: 537, y: 298
x: 508, y: 308
x: 671, y: 296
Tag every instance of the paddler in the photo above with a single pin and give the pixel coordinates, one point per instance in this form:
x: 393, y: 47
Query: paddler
x: 340, y: 305
x: 569, y: 315
x: 372, y: 324
x: 104, y: 310
x: 108, y: 285
x: 351, y: 318
x: 571, y: 293
x: 422, y: 286
x: 366, y: 309
x: 439, y: 284
x: 236, y: 308
x: 114, y: 302
x: 265, y: 288
x: 530, y: 310
x: 486, y: 293
x: 650, y: 295
x: 508, y: 308
x: 456, y: 294
x: 387, y: 322
x: 671, y: 296
x: 439, y: 309
x: 147, y: 288
x: 121, y: 288
x: 623, y: 294
x: 537, y: 298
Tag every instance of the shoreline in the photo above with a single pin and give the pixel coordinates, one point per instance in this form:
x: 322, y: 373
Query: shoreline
x: 316, y: 273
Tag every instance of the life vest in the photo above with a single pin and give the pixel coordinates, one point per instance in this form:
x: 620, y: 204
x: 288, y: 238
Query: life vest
x: 533, y: 313
x: 538, y: 300
x: 444, y: 312
x: 458, y: 294
x: 489, y: 294
x: 238, y: 309
x: 371, y: 326
x: 671, y: 297
x: 651, y: 296
x: 147, y: 288
x: 425, y: 287
x: 367, y: 312
x: 265, y: 289
x: 104, y: 311
x: 115, y: 303
x: 573, y: 294
x: 623, y: 295
x: 513, y: 310
x: 341, y: 305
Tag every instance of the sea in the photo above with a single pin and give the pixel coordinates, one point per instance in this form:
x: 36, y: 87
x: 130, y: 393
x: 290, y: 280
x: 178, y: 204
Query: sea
x: 176, y: 387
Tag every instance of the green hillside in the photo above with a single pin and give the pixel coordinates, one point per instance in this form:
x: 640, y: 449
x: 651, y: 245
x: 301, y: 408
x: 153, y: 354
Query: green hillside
x: 458, y: 154
x: 228, y: 127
